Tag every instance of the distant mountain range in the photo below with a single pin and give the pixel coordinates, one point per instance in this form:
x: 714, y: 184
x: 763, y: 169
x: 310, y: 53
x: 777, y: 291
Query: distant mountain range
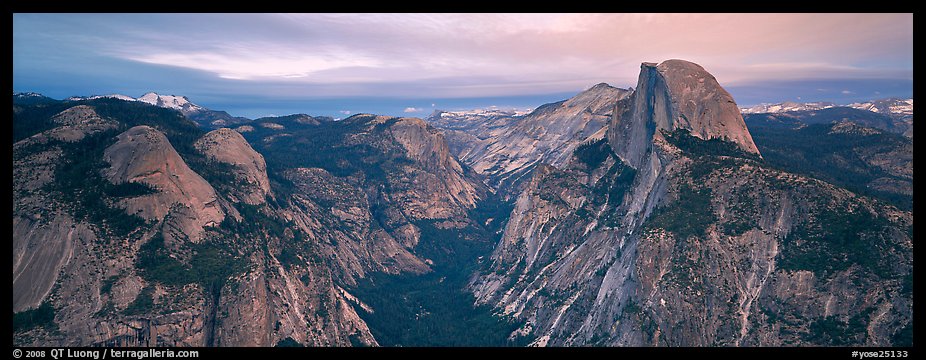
x: 890, y: 106
x: 786, y: 107
x: 893, y: 115
x: 893, y: 106
x: 656, y: 216
x: 852, y: 148
x: 31, y: 98
x: 200, y: 115
x: 481, y: 120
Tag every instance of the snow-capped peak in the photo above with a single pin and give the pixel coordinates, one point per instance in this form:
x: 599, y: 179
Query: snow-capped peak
x: 116, y: 96
x: 28, y: 94
x: 786, y: 107
x: 489, y: 112
x: 110, y: 96
x: 891, y: 107
x: 180, y: 103
x: 897, y: 107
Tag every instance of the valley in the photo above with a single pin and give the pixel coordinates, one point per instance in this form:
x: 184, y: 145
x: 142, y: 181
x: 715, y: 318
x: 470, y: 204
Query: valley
x: 660, y: 215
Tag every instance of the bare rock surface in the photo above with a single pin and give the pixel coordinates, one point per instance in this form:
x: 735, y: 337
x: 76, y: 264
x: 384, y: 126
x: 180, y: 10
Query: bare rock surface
x: 143, y: 154
x: 229, y: 147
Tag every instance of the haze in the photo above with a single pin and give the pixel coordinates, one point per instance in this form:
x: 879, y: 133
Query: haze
x: 401, y: 64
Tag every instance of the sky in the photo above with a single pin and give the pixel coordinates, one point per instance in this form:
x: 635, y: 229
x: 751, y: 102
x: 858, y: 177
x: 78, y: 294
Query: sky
x: 411, y: 64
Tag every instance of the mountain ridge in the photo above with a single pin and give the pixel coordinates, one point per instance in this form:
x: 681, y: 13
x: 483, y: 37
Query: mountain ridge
x: 200, y: 115
x: 891, y: 114
x: 692, y: 240
x: 642, y: 217
x: 506, y: 147
x: 172, y: 236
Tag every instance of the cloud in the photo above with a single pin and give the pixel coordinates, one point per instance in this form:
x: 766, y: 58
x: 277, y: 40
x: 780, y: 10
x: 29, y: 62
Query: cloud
x: 345, y: 112
x: 250, y: 62
x: 468, y: 55
x: 412, y: 110
x: 846, y: 92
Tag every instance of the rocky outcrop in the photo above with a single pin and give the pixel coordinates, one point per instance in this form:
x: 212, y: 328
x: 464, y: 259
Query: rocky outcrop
x: 272, y: 304
x: 446, y: 188
x: 45, y: 238
x: 122, y: 237
x: 506, y: 149
x: 229, y: 147
x: 70, y: 257
x: 673, y: 232
x: 144, y: 155
x: 73, y: 125
x: 40, y: 251
x: 675, y: 94
x: 336, y: 216
x: 402, y: 165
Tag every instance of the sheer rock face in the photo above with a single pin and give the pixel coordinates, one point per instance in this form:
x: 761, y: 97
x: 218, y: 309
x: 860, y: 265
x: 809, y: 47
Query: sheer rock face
x: 675, y: 94
x: 583, y: 268
x: 272, y: 303
x: 229, y: 147
x: 670, y: 240
x: 443, y: 189
x: 40, y: 251
x: 46, y: 240
x: 295, y: 255
x: 357, y: 246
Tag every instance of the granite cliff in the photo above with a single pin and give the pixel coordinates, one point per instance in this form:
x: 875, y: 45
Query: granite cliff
x: 505, y: 148
x: 133, y: 227
x: 643, y: 217
x: 675, y: 232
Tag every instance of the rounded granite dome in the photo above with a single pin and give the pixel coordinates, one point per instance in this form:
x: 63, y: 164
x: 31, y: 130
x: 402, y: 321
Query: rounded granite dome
x: 676, y: 94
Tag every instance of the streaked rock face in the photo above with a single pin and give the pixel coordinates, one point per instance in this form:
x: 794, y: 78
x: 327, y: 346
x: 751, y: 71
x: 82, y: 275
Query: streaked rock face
x: 675, y: 94
x: 44, y: 238
x: 40, y: 251
x: 506, y: 149
x: 657, y: 237
x: 442, y: 194
x: 643, y: 219
x: 296, y: 255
